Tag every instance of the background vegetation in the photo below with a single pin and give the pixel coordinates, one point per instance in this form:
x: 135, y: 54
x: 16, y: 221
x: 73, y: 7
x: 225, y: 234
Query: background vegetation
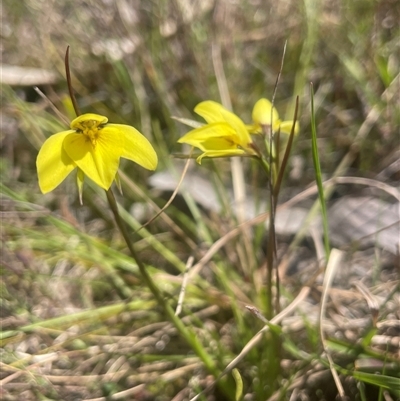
x: 77, y: 322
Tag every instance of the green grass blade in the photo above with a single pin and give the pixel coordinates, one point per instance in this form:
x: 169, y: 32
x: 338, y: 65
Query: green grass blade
x: 386, y: 382
x: 318, y: 176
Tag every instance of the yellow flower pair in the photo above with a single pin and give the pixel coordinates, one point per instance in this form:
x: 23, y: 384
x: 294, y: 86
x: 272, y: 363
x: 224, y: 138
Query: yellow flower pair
x: 95, y: 147
x: 225, y: 134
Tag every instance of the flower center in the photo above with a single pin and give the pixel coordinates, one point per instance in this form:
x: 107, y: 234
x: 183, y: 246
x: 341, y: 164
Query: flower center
x: 91, y: 129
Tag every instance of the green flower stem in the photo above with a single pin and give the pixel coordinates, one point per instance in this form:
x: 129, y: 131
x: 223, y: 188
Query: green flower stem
x: 271, y: 245
x: 176, y: 321
x: 318, y: 176
x: 270, y: 148
x: 273, y: 350
x: 275, y: 172
x: 265, y: 165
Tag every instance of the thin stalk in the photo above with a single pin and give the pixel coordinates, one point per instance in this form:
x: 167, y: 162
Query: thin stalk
x: 69, y: 82
x: 285, y: 159
x: 275, y: 172
x: 318, y: 177
x: 269, y: 312
x: 272, y: 173
x: 168, y: 310
x: 275, y: 188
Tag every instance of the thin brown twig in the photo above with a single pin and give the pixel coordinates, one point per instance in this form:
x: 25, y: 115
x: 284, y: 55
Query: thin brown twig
x: 69, y: 82
x: 272, y: 246
x: 285, y: 159
x: 52, y: 105
x: 165, y: 217
x: 170, y: 200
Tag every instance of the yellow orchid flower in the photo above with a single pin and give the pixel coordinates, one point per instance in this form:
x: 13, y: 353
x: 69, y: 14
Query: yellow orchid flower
x: 262, y: 113
x: 224, y: 135
x: 94, y: 147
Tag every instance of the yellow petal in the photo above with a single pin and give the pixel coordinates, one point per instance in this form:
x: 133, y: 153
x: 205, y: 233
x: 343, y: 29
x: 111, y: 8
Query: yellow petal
x: 76, y: 123
x: 262, y: 112
x: 211, y: 111
x: 53, y: 163
x: 222, y: 131
x: 214, y: 112
x: 253, y: 128
x: 220, y: 153
x: 286, y: 127
x: 214, y: 130
x: 219, y: 144
x: 99, y: 163
x: 136, y: 146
